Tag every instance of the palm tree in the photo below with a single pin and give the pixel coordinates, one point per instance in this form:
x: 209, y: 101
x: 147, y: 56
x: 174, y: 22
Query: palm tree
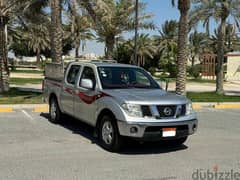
x: 37, y: 38
x: 79, y: 28
x: 56, y: 30
x: 197, y: 43
x: 183, y: 7
x: 232, y: 42
x: 166, y: 43
x: 167, y: 35
x: 169, y: 30
x: 220, y: 11
x: 146, y: 48
x: 9, y: 9
x: 112, y: 18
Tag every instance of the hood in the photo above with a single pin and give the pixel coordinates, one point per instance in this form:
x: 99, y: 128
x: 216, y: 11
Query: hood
x: 146, y: 96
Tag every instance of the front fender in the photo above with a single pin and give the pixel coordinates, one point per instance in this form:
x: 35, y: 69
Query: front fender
x: 111, y: 104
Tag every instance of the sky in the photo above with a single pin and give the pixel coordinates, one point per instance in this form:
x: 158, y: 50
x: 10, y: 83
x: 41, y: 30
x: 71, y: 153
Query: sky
x: 161, y: 11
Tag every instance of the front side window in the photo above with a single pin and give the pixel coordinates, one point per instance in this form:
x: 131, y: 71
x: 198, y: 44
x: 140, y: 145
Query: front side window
x: 72, y: 74
x: 88, y: 73
x: 125, y: 77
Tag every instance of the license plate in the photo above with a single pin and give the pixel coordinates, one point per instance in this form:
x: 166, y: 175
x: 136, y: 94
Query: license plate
x: 168, y: 132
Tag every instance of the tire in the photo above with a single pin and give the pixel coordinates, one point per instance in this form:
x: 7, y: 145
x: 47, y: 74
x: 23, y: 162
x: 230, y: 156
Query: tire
x: 109, y: 136
x: 54, y: 111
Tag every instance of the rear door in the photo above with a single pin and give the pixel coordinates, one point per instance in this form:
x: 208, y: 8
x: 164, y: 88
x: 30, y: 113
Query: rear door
x: 68, y: 92
x: 85, y: 106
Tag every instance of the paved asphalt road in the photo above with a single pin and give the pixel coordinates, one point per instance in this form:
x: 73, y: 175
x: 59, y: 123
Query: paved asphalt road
x: 31, y: 148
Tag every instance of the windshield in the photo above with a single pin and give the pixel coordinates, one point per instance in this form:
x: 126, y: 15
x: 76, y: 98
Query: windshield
x: 125, y: 77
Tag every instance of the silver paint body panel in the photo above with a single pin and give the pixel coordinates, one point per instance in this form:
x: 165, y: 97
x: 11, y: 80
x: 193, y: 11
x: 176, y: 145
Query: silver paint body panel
x: 72, y: 100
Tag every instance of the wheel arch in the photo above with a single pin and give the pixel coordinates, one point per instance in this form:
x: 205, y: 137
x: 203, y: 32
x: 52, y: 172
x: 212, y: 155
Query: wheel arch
x: 52, y: 95
x: 103, y: 112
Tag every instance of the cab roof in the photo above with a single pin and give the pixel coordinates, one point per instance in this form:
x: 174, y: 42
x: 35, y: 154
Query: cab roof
x: 103, y: 63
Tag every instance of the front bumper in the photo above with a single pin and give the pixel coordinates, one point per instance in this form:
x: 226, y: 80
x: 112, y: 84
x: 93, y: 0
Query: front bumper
x: 153, y: 131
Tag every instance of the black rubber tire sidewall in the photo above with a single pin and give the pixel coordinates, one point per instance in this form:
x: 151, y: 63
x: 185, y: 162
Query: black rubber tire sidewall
x: 116, y: 144
x: 58, y: 112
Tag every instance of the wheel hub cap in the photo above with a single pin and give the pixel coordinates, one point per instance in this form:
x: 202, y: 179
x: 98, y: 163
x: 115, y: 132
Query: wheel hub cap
x: 107, y: 132
x: 53, y: 110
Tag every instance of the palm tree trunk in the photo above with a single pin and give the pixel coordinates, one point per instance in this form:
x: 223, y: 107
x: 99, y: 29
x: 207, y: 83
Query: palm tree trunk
x: 193, y: 60
x: 38, y: 57
x: 77, y: 47
x: 56, y: 31
x: 4, y: 72
x: 77, y: 51
x: 110, y: 41
x: 183, y: 6
x: 220, y: 57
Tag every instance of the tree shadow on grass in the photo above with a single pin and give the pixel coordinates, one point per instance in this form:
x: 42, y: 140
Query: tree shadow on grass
x: 131, y: 147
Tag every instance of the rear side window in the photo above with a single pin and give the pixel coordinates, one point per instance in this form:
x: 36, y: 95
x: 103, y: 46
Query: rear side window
x: 72, y: 74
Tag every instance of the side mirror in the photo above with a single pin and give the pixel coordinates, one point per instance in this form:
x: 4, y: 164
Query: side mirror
x: 87, y: 83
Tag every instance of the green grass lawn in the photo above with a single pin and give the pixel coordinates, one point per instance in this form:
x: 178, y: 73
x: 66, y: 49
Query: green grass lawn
x: 22, y: 81
x: 211, y: 97
x: 188, y: 80
x: 201, y: 80
x: 27, y: 71
x: 15, y: 96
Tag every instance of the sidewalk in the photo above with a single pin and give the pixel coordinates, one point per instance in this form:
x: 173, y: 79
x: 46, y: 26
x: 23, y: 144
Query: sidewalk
x: 29, y: 87
x: 231, y: 88
x: 26, y: 75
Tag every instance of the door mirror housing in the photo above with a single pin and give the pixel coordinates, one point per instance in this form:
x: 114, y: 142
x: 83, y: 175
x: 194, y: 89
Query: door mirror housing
x: 87, y: 83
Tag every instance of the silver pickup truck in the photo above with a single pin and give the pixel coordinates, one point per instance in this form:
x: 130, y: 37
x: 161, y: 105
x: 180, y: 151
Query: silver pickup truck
x: 120, y: 101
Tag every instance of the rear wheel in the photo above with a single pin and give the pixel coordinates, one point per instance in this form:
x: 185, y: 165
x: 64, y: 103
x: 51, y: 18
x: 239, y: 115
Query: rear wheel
x: 54, y: 111
x: 109, y: 135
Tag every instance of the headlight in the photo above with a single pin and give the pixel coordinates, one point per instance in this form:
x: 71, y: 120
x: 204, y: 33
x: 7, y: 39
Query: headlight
x: 189, y: 108
x: 132, y: 109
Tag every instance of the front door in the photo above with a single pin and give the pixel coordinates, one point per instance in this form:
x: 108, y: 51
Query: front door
x: 85, y: 106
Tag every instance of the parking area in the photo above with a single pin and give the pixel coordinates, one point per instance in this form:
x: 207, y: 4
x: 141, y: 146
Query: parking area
x: 33, y: 148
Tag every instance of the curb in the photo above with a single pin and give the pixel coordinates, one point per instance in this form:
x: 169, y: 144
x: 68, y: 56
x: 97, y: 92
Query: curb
x: 41, y: 109
x: 45, y: 108
x: 34, y: 107
x: 226, y: 106
x: 214, y: 105
x: 6, y: 109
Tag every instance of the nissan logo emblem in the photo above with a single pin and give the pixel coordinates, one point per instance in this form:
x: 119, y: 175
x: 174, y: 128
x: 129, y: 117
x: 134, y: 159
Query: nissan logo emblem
x: 167, y: 111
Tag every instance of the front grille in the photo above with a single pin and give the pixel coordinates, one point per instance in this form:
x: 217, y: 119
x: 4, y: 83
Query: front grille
x: 167, y: 111
x: 164, y: 111
x: 146, y: 111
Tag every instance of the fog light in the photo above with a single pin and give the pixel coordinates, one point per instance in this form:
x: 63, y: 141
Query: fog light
x: 133, y: 130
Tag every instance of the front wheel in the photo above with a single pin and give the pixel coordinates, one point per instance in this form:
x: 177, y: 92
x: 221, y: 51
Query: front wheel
x: 109, y: 135
x: 54, y: 111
